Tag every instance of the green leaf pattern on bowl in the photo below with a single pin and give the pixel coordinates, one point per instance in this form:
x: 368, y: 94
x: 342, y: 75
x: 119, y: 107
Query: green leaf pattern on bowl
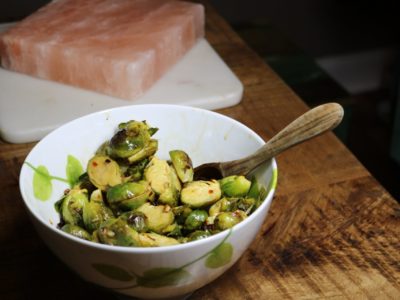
x: 220, y: 256
x: 42, y: 187
x: 42, y: 179
x: 73, y: 170
x: 114, y: 272
x: 160, y: 277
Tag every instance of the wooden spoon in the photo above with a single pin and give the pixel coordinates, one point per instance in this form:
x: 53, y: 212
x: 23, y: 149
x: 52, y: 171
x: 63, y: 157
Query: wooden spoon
x: 312, y: 123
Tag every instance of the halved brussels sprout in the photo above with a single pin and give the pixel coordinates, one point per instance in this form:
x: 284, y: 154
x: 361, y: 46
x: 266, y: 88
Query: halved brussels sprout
x: 181, y: 213
x: 104, y: 172
x: 226, y: 220
x: 135, y: 219
x: 77, y: 231
x: 117, y: 232
x: 247, y: 205
x: 129, y: 195
x: 157, y: 217
x: 163, y: 181
x: 152, y: 239
x: 174, y: 230
x: 95, y: 212
x: 182, y: 164
x: 72, y: 206
x: 201, y: 193
x: 221, y: 205
x: 235, y: 186
x: 148, y: 150
x: 131, y: 138
x: 198, y: 235
x: 135, y: 171
x: 195, y: 219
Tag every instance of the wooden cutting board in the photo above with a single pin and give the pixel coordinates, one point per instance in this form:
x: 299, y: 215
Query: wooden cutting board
x: 31, y: 107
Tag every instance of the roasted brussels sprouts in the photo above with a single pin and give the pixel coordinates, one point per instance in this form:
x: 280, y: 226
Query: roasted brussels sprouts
x: 149, y: 150
x: 136, y: 220
x: 129, y: 195
x: 72, y: 207
x: 104, y: 172
x: 151, y: 239
x: 235, y: 186
x: 76, y: 231
x: 226, y: 220
x: 201, y: 193
x: 163, y: 181
x: 84, y: 183
x: 246, y: 204
x: 96, y: 212
x: 117, y: 232
x: 174, y: 230
x: 222, y: 205
x: 157, y: 217
x: 131, y: 138
x: 195, y: 219
x: 198, y: 235
x: 182, y: 164
x: 134, y: 172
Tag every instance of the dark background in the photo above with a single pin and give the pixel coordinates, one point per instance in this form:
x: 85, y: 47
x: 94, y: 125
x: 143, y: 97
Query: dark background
x: 330, y: 50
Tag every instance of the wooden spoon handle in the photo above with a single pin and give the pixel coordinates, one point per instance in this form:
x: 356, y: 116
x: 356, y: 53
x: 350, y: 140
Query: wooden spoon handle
x: 312, y: 123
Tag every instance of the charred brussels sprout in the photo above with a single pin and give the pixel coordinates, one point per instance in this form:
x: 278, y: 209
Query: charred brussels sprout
x: 131, y: 138
x: 201, y: 193
x: 95, y: 212
x: 227, y: 220
x: 72, y: 207
x: 182, y: 164
x: 129, y: 195
x: 85, y: 183
x: 77, y: 231
x: 103, y: 172
x: 157, y: 217
x: 181, y: 213
x: 235, y: 186
x: 117, y: 232
x: 195, y: 219
x: 135, y: 171
x: 163, y: 181
x: 136, y: 220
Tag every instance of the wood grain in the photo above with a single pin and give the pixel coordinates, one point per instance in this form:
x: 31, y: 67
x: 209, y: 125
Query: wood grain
x: 333, y: 231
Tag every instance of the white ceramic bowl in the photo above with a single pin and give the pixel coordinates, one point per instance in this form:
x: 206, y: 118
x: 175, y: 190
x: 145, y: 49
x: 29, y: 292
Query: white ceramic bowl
x: 144, y: 272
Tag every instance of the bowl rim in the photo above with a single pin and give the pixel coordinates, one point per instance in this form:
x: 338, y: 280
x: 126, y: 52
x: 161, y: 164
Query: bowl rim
x: 161, y: 249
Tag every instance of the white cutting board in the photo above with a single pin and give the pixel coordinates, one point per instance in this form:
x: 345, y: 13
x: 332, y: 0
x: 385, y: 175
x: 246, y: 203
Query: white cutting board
x: 31, y: 107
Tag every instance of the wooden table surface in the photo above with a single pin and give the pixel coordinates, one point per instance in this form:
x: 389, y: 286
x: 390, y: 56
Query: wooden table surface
x: 332, y: 232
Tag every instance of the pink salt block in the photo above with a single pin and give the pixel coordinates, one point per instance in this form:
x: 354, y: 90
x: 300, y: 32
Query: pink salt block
x: 116, y: 47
